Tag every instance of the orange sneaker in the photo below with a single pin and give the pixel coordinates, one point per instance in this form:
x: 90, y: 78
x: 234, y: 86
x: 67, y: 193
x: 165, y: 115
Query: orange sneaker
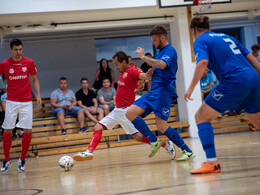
x: 207, y: 168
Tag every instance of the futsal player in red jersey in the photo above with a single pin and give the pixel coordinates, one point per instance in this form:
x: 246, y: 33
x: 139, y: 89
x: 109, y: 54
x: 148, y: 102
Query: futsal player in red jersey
x: 125, y: 96
x: 19, y: 100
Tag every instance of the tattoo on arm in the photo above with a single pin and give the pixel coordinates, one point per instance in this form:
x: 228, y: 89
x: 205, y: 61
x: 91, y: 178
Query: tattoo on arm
x: 155, y: 63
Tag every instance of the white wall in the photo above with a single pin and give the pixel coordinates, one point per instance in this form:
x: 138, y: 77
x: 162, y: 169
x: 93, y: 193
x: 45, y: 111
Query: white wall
x: 34, y: 6
x: 72, y: 58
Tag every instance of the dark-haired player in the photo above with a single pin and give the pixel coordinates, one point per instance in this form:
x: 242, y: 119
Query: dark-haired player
x: 19, y: 100
x: 125, y: 96
x: 239, y: 84
x: 161, y: 94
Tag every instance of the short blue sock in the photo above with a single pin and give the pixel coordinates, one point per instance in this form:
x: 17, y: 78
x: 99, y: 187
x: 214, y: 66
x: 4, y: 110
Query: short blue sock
x: 206, y: 135
x: 174, y: 136
x: 143, y: 128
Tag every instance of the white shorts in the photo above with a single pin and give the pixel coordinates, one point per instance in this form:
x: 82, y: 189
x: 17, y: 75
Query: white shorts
x: 21, y: 109
x: 117, y: 116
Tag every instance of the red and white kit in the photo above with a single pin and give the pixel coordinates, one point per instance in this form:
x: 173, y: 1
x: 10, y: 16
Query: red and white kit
x: 125, y: 96
x: 19, y: 93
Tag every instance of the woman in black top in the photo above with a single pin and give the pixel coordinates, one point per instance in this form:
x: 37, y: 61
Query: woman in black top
x: 104, y: 71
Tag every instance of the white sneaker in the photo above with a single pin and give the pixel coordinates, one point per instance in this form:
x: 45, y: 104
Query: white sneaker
x: 81, y: 156
x: 6, y: 165
x: 170, y: 148
x: 21, y: 165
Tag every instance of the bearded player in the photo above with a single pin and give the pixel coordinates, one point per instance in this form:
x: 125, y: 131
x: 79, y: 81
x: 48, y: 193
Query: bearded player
x: 125, y: 96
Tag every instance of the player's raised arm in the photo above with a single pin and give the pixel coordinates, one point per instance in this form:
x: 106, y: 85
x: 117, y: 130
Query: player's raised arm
x: 152, y: 62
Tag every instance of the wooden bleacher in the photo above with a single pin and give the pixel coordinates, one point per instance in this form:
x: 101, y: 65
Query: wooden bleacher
x: 47, y: 138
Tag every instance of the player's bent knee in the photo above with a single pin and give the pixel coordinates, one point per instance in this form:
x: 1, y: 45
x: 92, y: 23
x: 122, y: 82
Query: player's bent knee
x: 27, y: 131
x: 98, y: 127
x: 129, y: 115
x: 197, y: 117
x: 8, y: 131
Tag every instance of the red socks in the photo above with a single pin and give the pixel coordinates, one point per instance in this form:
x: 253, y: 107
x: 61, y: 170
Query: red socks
x: 27, y: 137
x: 164, y: 144
x: 7, y: 144
x: 146, y: 140
x: 96, y: 138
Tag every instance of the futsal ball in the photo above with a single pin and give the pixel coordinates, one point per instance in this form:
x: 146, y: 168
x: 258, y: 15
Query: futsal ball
x: 66, y: 162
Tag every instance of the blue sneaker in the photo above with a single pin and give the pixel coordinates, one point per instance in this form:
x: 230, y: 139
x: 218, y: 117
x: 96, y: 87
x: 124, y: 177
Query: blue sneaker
x: 63, y: 132
x: 83, y: 130
x: 21, y: 165
x: 6, y: 164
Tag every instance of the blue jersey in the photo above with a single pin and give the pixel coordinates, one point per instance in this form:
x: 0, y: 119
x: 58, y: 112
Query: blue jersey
x: 163, y: 79
x: 227, y: 59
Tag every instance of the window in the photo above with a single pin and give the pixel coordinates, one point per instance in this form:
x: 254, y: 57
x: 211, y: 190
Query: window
x: 106, y: 48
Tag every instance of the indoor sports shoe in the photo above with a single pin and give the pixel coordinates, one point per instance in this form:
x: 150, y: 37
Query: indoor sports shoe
x: 21, y: 165
x: 63, y: 132
x: 207, y: 168
x: 186, y: 155
x: 5, y: 166
x: 155, y: 146
x: 81, y: 156
x: 170, y: 148
x: 83, y: 130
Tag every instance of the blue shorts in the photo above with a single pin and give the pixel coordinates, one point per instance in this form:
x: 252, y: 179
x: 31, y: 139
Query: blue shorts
x: 227, y: 97
x: 111, y: 106
x: 74, y: 111
x: 159, y: 104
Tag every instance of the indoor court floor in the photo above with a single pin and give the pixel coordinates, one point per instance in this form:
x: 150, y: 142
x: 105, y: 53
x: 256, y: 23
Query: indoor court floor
x: 128, y: 170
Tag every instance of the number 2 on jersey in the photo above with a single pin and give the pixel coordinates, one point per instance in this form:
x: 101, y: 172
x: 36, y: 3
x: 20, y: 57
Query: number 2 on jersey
x: 232, y: 46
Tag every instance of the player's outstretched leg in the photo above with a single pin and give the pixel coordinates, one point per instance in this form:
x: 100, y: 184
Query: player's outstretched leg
x: 88, y: 154
x: 7, y: 143
x: 143, y: 128
x: 168, y: 146
x: 174, y: 136
x: 206, y: 135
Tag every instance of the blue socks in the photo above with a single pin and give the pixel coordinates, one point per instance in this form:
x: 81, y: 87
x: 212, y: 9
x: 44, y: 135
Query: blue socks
x: 174, y: 136
x: 206, y: 135
x: 143, y: 128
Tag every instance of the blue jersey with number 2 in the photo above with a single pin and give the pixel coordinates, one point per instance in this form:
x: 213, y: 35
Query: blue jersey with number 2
x: 227, y: 59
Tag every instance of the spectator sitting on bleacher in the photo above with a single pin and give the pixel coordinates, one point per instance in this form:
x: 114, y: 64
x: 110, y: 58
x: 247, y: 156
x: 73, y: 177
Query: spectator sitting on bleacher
x: 64, y: 103
x: 86, y: 99
x: 206, y: 84
x: 106, y: 96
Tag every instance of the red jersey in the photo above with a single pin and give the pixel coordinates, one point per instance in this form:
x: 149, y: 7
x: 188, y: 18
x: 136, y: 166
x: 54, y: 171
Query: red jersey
x: 18, y: 78
x: 127, y: 86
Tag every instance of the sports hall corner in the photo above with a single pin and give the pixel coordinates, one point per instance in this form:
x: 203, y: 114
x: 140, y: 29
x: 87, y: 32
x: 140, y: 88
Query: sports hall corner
x: 69, y: 39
